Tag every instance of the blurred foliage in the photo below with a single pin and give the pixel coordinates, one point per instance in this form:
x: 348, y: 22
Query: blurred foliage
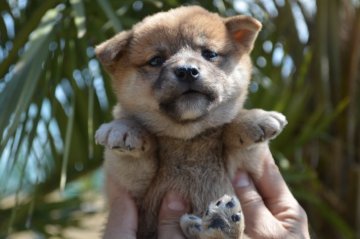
x: 54, y: 95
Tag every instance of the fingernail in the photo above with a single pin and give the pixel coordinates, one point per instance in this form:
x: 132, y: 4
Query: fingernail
x: 174, y: 202
x: 242, y: 179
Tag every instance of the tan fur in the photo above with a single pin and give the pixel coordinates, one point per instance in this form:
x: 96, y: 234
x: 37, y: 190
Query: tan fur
x: 169, y: 140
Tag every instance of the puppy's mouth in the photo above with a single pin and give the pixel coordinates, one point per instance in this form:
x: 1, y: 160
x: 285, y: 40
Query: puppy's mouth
x: 193, y: 93
x: 189, y: 105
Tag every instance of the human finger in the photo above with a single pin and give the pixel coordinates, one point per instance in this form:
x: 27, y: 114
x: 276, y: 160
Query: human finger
x: 122, y: 219
x: 254, y: 208
x: 271, y: 184
x: 172, y: 208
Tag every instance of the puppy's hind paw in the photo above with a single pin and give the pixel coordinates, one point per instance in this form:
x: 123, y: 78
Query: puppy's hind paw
x: 223, y: 219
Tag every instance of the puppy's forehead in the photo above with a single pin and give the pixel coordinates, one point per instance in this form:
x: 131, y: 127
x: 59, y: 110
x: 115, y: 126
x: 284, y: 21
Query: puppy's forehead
x: 178, y: 28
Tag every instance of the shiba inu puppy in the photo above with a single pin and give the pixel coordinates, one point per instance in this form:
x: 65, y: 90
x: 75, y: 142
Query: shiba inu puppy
x: 181, y: 78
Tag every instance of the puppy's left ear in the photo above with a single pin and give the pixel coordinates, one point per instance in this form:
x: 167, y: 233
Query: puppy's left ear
x: 244, y: 30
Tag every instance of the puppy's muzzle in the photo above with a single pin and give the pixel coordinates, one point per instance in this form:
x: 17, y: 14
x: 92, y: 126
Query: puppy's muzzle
x: 187, y: 73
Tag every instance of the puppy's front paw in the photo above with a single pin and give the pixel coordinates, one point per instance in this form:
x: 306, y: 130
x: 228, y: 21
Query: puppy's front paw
x: 223, y: 219
x: 255, y: 126
x: 124, y: 136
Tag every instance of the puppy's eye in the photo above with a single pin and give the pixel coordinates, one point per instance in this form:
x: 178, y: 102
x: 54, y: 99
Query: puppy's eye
x: 209, y: 55
x: 156, y: 61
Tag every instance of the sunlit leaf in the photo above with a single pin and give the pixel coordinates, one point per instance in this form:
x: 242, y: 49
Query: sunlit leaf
x: 80, y: 17
x: 110, y: 13
x: 26, y: 75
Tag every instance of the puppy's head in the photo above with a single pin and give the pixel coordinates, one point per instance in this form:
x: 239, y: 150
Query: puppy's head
x: 183, y: 71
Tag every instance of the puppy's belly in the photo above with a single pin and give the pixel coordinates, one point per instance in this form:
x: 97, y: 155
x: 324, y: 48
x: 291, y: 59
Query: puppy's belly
x: 195, y: 169
x: 198, y: 185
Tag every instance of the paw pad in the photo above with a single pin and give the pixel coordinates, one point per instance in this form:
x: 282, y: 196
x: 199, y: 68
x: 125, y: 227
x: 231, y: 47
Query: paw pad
x: 230, y: 204
x: 218, y: 223
x: 223, y: 217
x: 235, y: 217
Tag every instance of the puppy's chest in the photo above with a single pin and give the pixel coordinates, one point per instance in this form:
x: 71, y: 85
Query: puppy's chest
x: 192, y: 157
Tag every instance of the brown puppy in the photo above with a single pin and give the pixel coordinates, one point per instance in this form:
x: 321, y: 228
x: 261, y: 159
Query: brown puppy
x: 181, y: 79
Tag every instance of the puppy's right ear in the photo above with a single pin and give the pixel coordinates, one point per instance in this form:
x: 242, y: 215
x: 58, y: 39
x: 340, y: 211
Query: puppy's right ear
x: 244, y: 30
x: 109, y: 52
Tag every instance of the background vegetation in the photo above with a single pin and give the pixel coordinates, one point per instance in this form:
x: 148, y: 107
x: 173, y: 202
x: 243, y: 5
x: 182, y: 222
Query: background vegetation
x: 54, y: 95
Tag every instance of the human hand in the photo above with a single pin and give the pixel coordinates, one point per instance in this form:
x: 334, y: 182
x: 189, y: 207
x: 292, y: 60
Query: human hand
x: 270, y: 210
x: 123, y: 219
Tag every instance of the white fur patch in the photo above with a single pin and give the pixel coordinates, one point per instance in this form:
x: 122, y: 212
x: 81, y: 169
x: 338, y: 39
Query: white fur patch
x: 191, y: 114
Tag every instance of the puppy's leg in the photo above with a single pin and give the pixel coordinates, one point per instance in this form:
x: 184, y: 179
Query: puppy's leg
x: 255, y: 126
x: 222, y: 220
x: 245, y: 137
x: 125, y: 136
x: 129, y: 154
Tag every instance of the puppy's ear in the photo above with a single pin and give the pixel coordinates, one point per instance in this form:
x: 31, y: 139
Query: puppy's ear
x: 109, y: 52
x: 244, y: 30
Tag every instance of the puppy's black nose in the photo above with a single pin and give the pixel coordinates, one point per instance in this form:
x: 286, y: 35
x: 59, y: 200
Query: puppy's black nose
x: 187, y: 73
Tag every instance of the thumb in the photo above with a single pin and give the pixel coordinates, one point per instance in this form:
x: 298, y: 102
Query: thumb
x: 252, y: 203
x: 172, y: 208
